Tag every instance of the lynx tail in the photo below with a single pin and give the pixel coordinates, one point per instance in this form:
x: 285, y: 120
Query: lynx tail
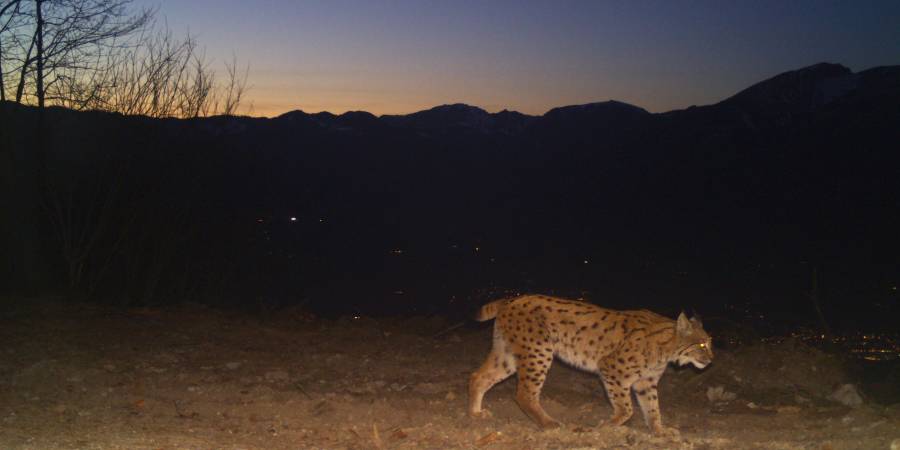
x: 489, y: 311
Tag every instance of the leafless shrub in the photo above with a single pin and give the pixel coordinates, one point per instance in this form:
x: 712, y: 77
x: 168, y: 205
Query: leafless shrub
x: 99, y: 55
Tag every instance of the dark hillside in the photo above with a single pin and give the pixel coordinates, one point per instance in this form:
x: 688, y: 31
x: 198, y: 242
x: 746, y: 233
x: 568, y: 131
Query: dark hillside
x: 713, y: 206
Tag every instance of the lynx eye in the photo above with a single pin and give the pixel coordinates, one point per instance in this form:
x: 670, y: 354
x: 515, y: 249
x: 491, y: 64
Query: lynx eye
x: 702, y: 345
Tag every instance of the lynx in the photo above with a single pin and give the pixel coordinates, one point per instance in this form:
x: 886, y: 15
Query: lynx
x: 628, y: 349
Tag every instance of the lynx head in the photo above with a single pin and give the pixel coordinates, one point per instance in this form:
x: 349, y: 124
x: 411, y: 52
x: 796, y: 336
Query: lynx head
x: 694, y: 345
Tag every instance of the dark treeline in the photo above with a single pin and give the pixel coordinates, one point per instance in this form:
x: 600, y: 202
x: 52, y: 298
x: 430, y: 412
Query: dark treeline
x: 720, y: 207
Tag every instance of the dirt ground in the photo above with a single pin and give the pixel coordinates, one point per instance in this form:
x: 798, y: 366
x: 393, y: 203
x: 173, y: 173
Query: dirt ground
x: 83, y: 377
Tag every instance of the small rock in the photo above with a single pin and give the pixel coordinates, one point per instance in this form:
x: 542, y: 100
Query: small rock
x: 109, y: 367
x: 277, y: 376
x: 233, y: 365
x: 450, y: 396
x: 847, y: 395
x: 719, y: 394
x: 895, y: 444
x: 59, y: 409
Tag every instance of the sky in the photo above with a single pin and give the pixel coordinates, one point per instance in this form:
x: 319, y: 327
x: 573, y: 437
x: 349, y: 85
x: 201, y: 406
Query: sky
x: 397, y: 57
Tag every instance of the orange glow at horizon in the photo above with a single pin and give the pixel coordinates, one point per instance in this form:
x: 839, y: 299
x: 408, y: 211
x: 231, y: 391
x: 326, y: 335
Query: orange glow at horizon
x: 270, y: 96
x: 405, y: 56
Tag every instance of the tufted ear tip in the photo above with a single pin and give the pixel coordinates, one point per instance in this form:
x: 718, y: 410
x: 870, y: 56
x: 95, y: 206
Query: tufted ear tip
x: 695, y: 318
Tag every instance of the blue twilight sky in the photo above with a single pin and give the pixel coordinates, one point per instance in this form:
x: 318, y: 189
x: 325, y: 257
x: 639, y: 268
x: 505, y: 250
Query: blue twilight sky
x: 402, y: 56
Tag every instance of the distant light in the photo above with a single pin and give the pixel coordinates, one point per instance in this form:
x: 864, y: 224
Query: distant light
x: 322, y: 219
x: 293, y: 219
x: 477, y: 249
x: 586, y: 261
x: 260, y: 220
x: 355, y: 317
x: 397, y: 251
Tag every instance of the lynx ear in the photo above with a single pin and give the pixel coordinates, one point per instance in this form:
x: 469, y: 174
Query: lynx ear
x: 684, y: 326
x: 695, y: 319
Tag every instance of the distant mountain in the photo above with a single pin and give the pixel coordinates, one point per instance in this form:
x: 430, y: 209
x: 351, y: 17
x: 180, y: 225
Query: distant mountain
x: 444, y: 116
x: 796, y: 91
x: 604, y: 120
x: 461, y: 118
x: 770, y: 103
x: 821, y: 92
x: 608, y: 110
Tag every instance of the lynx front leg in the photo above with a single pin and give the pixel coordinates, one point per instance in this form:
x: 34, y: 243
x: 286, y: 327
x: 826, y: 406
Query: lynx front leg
x: 648, y: 399
x: 619, y: 396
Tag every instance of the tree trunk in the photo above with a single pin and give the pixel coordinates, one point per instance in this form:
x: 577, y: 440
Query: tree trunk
x: 2, y: 28
x: 2, y: 85
x: 39, y: 32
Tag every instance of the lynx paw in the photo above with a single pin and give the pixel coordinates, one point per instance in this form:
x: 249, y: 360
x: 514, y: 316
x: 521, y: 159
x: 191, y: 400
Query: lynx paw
x: 609, y: 423
x: 667, y: 432
x: 483, y: 414
x: 551, y: 425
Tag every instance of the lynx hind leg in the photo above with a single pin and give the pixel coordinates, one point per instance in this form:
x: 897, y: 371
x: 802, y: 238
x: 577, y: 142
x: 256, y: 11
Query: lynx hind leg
x: 498, y: 366
x: 533, y: 368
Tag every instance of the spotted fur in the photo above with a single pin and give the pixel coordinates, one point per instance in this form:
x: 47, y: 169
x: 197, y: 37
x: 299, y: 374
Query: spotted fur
x: 628, y: 349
